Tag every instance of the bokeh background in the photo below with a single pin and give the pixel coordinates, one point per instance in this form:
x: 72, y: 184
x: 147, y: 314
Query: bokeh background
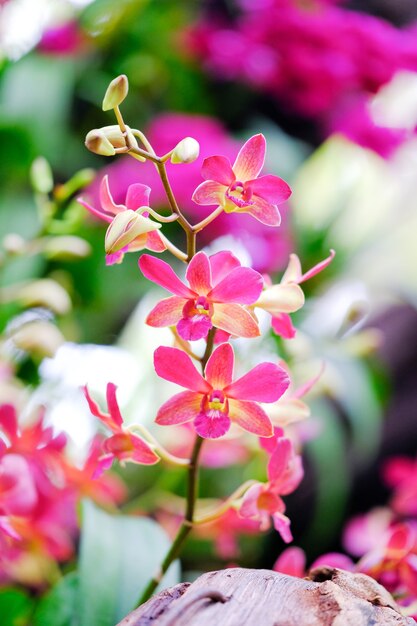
x: 332, y: 84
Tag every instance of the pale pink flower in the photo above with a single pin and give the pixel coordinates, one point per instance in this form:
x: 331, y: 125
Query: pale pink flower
x: 123, y: 444
x: 219, y: 286
x: 137, y: 199
x: 239, y: 189
x: 287, y: 297
x: 214, y: 402
x: 263, y: 501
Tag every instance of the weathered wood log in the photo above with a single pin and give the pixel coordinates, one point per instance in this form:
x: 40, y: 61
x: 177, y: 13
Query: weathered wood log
x: 237, y: 597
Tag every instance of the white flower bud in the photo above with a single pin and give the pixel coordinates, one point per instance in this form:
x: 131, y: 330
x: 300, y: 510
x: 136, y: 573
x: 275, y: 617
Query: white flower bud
x: 116, y: 92
x: 186, y: 151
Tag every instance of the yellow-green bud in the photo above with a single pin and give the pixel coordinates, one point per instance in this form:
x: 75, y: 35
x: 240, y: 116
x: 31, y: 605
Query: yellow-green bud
x: 97, y: 142
x: 41, y: 176
x: 66, y: 248
x: 116, y: 92
x: 44, y: 292
x: 126, y: 226
x: 186, y: 151
x: 107, y: 139
x: 39, y: 337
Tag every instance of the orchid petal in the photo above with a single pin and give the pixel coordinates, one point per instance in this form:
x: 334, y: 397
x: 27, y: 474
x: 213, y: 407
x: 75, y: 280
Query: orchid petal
x: 251, y: 417
x: 97, y: 412
x: 176, y: 366
x: 318, y: 268
x: 209, y: 192
x: 116, y: 257
x: 194, y: 327
x: 222, y: 263
x: 199, y: 274
x: 282, y: 525
x: 167, y: 312
x: 279, y: 459
x: 211, y: 426
x: 181, y: 408
x: 281, y: 299
x: 219, y: 368
x: 242, y: 285
x: 250, y: 160
x: 287, y: 412
x: 263, y: 211
x: 293, y: 272
x: 249, y: 506
x: 106, y: 199
x: 235, y: 320
x: 103, y: 215
x: 264, y: 383
x: 113, y: 405
x: 270, y: 188
x: 162, y: 274
x: 137, y: 196
x: 154, y: 242
x: 292, y: 562
x: 142, y: 453
x: 8, y: 421
x: 218, y: 169
x: 282, y: 326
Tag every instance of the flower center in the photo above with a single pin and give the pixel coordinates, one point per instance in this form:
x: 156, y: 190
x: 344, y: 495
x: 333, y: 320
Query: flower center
x: 239, y: 194
x: 217, y: 401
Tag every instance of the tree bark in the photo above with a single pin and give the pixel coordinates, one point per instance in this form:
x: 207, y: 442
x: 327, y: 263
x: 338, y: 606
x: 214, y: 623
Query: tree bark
x: 237, y: 597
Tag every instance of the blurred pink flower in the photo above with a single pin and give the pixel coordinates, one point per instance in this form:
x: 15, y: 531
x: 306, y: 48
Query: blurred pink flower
x: 400, y: 473
x: 123, y: 444
x: 213, y: 402
x: 263, y: 501
x: 219, y: 287
x: 63, y: 40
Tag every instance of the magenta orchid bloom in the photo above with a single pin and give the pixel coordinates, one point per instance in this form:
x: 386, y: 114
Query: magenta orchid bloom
x: 137, y: 198
x: 239, y: 189
x: 214, y: 402
x: 219, y: 286
x: 263, y: 501
x: 122, y: 445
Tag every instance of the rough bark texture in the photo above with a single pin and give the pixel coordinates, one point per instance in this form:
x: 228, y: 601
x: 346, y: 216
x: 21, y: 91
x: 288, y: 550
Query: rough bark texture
x: 233, y: 597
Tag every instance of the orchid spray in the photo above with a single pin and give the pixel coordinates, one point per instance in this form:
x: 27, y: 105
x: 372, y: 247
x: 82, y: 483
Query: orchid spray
x: 215, y: 303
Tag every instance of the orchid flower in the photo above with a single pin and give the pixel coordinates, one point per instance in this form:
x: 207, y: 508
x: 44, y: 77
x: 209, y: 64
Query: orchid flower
x: 239, y: 189
x: 122, y: 445
x: 219, y: 286
x: 214, y: 402
x: 287, y: 297
x: 263, y: 501
x: 137, y: 202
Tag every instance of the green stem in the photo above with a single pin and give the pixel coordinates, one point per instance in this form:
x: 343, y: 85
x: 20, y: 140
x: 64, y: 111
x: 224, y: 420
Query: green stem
x: 186, y: 526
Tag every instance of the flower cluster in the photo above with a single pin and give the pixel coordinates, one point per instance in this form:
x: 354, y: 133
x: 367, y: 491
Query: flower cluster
x: 316, y: 58
x: 384, y: 540
x: 39, y: 491
x: 213, y: 305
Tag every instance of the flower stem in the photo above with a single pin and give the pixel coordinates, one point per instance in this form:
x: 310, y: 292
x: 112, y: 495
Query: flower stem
x: 186, y: 526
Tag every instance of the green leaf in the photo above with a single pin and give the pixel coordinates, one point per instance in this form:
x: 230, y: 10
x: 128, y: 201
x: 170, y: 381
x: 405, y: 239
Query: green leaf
x: 59, y: 606
x: 15, y: 607
x: 118, y: 556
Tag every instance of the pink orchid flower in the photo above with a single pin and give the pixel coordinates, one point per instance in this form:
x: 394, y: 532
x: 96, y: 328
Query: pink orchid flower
x: 123, y: 444
x: 219, y: 286
x: 214, y: 402
x: 137, y: 199
x: 239, y: 189
x: 287, y: 297
x: 263, y: 501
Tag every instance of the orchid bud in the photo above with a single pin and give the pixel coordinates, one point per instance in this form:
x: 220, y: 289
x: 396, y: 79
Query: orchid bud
x: 116, y: 92
x: 125, y: 227
x: 186, y: 151
x: 97, y: 142
x: 109, y: 138
x: 44, y: 292
x: 14, y: 244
